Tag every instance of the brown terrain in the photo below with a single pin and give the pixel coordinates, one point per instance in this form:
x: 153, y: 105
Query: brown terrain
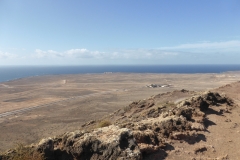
x: 192, y: 116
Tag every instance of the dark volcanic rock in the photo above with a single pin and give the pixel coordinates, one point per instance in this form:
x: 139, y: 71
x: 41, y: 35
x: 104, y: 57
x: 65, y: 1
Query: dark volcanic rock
x: 204, y: 101
x: 46, y: 146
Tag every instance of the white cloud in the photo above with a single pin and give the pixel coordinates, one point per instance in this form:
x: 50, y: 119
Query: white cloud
x: 46, y: 54
x: 202, y: 52
x: 84, y: 53
x: 230, y: 45
x: 6, y: 55
x: 83, y: 56
x: 135, y: 54
x: 187, y: 50
x: 76, y: 51
x: 140, y: 56
x: 145, y: 54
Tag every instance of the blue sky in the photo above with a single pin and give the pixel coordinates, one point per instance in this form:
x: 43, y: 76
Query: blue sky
x: 80, y: 32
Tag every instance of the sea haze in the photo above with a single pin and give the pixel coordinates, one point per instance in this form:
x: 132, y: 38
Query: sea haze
x: 15, y: 72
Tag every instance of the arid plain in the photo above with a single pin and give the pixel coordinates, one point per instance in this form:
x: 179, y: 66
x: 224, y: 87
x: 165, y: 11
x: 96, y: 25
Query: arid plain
x: 37, y: 107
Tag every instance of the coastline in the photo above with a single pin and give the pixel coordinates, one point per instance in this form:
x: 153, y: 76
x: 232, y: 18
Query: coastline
x: 10, y: 73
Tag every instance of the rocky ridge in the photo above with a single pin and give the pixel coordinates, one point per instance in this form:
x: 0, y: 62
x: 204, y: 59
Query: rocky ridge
x: 142, y: 130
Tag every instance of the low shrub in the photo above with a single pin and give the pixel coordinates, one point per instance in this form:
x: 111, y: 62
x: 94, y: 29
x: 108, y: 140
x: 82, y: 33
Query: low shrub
x: 22, y: 152
x: 104, y: 123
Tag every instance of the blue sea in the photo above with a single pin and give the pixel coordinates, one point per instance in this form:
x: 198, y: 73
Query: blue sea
x: 8, y: 73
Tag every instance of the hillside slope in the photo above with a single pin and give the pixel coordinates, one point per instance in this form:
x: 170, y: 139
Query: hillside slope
x: 174, y: 125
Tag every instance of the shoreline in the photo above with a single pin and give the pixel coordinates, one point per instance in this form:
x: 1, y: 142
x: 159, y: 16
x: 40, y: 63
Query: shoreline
x: 12, y: 73
x: 77, y: 74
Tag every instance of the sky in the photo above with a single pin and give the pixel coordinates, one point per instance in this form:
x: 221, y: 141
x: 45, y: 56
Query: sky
x: 121, y: 32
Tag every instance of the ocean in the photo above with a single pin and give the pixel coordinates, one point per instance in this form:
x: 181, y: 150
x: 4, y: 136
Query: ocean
x: 8, y: 73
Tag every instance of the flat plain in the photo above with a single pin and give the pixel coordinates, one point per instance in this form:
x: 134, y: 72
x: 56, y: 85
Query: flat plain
x: 37, y: 107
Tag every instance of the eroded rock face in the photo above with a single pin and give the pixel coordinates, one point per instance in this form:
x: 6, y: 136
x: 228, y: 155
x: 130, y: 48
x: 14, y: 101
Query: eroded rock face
x: 104, y: 143
x: 204, y: 101
x: 46, y: 146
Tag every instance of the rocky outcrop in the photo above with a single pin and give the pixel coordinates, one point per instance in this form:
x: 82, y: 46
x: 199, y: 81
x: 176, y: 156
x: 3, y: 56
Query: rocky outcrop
x: 204, y: 101
x: 109, y: 142
x: 144, y: 128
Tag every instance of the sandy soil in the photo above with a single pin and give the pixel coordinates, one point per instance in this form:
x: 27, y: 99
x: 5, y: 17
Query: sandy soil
x: 65, y: 102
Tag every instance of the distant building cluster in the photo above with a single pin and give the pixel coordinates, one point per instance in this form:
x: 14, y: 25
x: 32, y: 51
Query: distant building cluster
x: 158, y: 85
